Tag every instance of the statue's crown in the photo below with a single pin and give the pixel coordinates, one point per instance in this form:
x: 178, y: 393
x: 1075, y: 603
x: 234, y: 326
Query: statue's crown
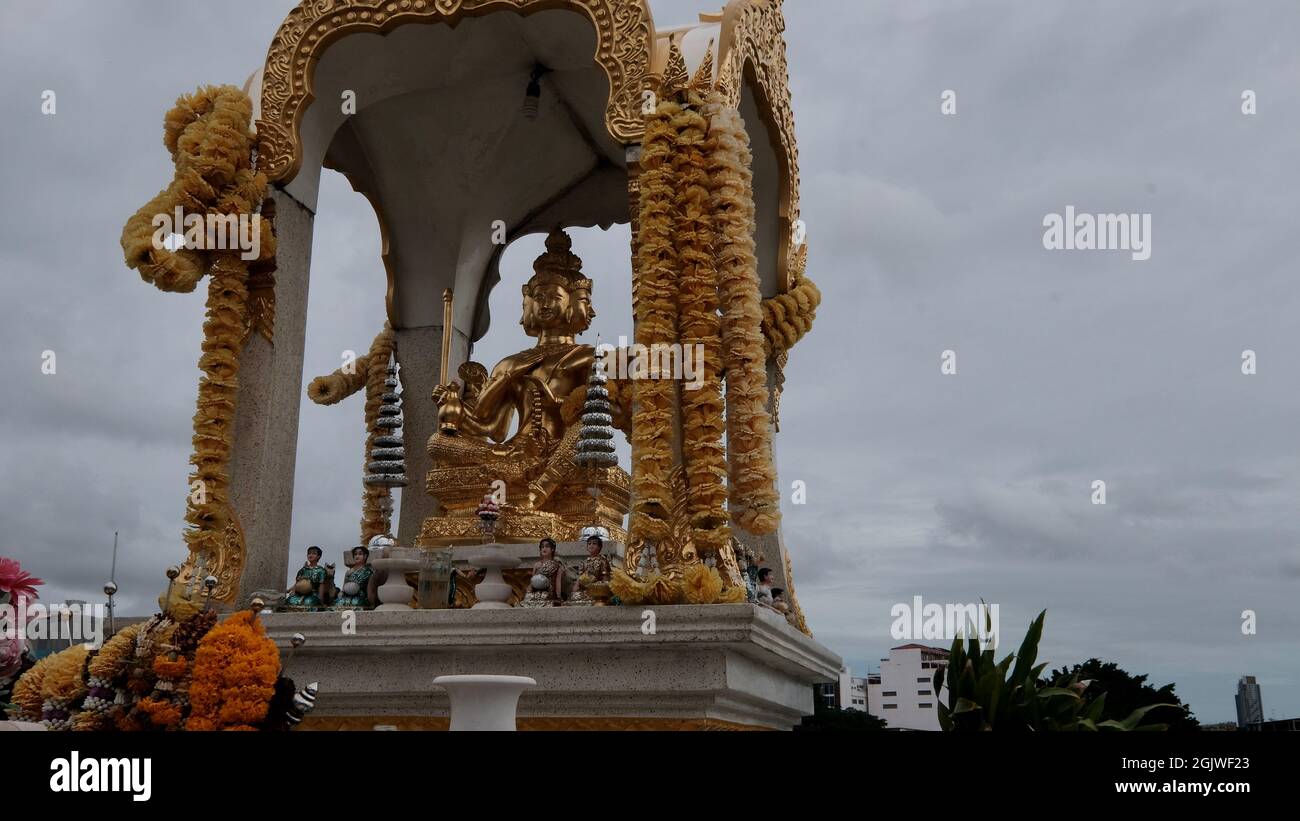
x: 558, y: 265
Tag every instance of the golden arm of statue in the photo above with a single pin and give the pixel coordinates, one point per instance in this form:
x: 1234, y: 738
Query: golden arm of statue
x: 493, y: 411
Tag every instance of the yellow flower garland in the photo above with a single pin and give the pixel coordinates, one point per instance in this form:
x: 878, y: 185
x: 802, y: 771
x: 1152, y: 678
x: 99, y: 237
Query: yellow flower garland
x: 754, y: 501
x: 788, y: 317
x: 209, y: 136
x: 113, y: 657
x: 655, y: 306
x: 369, y: 371
x: 704, y: 455
x: 63, y: 679
x: 27, y: 691
x: 373, y: 519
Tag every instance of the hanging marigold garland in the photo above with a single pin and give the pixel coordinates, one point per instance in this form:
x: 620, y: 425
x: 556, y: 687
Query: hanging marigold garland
x: 209, y: 136
x: 754, y: 501
x: 655, y: 307
x: 703, y: 452
x: 368, y: 371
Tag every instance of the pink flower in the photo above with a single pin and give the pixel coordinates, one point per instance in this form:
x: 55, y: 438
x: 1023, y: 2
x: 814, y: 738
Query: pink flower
x: 11, y: 657
x: 17, y: 582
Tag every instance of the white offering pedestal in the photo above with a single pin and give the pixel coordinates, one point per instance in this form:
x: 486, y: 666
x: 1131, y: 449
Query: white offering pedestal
x: 395, y: 594
x: 484, y: 703
x: 494, y: 591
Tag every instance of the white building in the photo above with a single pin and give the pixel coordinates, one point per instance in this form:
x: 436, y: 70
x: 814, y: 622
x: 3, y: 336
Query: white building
x: 857, y: 695
x: 848, y: 693
x: 903, y: 692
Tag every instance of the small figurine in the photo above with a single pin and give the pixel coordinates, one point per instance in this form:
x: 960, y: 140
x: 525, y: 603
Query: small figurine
x: 551, y: 568
x: 309, y: 586
x: 592, y: 587
x: 539, y: 593
x: 358, y: 583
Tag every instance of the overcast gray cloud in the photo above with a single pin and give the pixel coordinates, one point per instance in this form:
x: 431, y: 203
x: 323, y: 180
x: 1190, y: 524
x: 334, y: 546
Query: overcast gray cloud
x: 925, y: 235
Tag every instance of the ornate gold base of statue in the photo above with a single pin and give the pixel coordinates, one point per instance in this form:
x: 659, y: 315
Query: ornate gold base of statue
x: 546, y: 494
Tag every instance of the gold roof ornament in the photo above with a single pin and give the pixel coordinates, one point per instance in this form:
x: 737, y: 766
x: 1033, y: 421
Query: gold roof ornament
x: 703, y: 79
x: 727, y: 82
x: 676, y: 77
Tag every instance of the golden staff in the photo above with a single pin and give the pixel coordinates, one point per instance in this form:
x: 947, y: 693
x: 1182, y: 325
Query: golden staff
x: 446, y: 337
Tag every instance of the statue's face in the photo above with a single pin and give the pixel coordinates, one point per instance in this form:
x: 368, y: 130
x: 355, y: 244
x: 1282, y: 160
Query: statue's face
x: 550, y: 307
x: 552, y: 304
x: 548, y: 552
x: 593, y: 547
x: 359, y: 555
x: 312, y: 557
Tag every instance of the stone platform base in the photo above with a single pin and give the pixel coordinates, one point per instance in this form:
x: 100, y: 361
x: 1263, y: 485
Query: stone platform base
x: 735, y: 666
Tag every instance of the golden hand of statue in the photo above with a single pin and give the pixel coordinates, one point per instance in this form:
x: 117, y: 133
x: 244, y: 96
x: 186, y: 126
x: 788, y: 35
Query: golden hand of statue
x: 450, y: 408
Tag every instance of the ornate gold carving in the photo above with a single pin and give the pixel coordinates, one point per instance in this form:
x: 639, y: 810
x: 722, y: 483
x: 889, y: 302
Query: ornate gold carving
x: 795, y: 609
x: 227, y: 564
x: 753, y: 37
x: 678, y: 550
x: 622, y: 50
x: 261, y: 304
x: 676, y: 77
x: 703, y: 79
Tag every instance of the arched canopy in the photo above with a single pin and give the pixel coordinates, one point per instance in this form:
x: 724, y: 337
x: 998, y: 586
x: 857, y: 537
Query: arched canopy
x: 439, y: 143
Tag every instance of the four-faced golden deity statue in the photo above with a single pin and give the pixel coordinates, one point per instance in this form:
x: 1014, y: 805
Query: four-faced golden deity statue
x: 546, y: 494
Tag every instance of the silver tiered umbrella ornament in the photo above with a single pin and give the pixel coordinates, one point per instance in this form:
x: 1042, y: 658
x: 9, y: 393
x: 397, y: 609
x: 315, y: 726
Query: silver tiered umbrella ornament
x: 596, y: 436
x: 387, y: 465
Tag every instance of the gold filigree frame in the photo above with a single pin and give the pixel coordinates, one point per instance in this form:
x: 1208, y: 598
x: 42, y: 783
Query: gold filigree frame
x: 752, y: 51
x: 623, y: 37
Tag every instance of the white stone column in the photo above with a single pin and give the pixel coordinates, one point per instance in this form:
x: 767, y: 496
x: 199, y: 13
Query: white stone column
x: 419, y: 352
x: 266, y: 416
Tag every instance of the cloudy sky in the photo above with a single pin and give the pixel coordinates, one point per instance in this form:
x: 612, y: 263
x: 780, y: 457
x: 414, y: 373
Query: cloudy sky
x: 925, y: 235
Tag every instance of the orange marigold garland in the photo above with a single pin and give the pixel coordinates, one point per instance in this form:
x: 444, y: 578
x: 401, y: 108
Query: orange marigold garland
x: 235, y: 670
x: 655, y: 306
x: 703, y: 453
x: 754, y: 501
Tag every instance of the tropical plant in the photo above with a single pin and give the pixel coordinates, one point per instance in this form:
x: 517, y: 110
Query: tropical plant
x: 982, y: 696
